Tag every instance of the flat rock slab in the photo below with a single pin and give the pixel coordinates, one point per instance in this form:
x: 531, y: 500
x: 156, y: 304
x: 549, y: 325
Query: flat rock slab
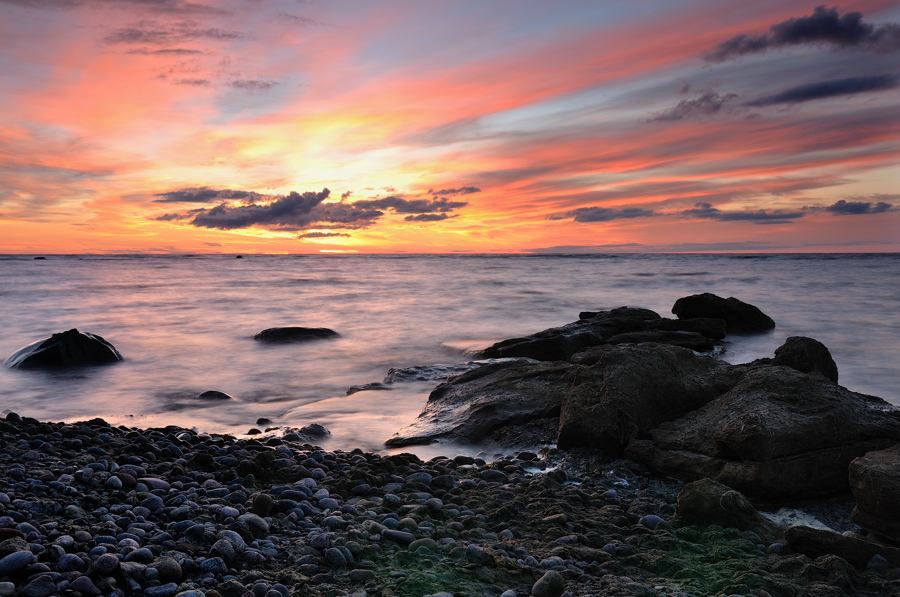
x: 470, y: 406
x: 294, y: 334
x: 66, y: 349
x: 630, y: 390
x: 778, y: 432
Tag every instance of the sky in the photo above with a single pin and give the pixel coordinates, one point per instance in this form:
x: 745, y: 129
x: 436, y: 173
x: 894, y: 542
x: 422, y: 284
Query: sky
x: 290, y: 126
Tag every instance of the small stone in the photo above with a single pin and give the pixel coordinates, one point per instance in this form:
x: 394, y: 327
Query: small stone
x: 166, y: 590
x: 258, y: 527
x: 401, y: 537
x: 263, y: 504
x: 878, y: 562
x: 169, y: 569
x: 106, y: 564
x: 493, y: 475
x: 651, y: 521
x: 70, y: 563
x: 426, y: 542
x: 360, y: 575
x: 335, y: 558
x: 42, y: 586
x: 551, y: 584
x: 85, y: 586
x: 15, y: 561
x: 7, y: 589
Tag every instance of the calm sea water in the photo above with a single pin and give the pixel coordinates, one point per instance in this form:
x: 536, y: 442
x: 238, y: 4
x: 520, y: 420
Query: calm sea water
x: 185, y: 325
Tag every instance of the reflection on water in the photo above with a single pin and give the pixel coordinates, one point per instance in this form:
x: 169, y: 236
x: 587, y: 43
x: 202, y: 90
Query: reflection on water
x: 185, y: 325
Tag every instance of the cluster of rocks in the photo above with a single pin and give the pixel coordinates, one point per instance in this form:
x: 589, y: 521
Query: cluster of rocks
x: 90, y: 509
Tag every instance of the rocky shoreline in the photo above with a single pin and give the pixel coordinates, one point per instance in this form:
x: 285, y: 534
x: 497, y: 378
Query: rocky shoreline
x: 90, y: 509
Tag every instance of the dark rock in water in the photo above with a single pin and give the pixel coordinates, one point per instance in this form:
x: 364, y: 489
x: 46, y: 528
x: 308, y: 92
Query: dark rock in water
x: 238, y: 256
x: 777, y: 432
x: 625, y: 324
x: 468, y: 407
x: 215, y: 395
x: 706, y: 502
x: 293, y: 334
x: 819, y: 542
x: 313, y: 431
x: 559, y: 344
x: 66, y: 349
x: 632, y: 390
x: 738, y: 315
x: 875, y: 482
x: 805, y: 354
x: 40, y: 258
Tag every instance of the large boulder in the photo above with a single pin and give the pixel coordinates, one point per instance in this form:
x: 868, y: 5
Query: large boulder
x: 875, y: 482
x: 706, y: 502
x: 467, y: 408
x: 805, y: 354
x: 778, y: 432
x: 738, y: 315
x: 66, y: 349
x: 631, y: 390
x: 293, y: 334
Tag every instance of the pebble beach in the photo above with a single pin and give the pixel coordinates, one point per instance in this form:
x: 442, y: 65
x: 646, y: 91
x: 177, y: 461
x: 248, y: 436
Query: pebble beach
x: 92, y: 509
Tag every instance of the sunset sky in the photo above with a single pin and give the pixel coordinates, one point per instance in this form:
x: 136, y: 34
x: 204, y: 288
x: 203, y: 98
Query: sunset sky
x: 243, y: 126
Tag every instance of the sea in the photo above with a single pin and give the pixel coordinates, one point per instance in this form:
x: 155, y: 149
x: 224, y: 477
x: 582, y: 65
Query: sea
x: 185, y: 325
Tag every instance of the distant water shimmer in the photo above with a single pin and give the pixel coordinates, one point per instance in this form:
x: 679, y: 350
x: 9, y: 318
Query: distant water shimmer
x: 185, y: 325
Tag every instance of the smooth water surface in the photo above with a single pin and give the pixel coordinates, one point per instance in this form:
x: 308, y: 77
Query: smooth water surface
x: 185, y: 325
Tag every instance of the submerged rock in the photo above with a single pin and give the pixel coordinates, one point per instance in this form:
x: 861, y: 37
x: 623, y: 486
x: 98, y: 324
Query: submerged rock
x: 470, y: 406
x: 631, y: 390
x: 875, y: 482
x: 738, y: 315
x: 66, y: 349
x: 777, y: 432
x: 293, y: 334
x: 215, y: 395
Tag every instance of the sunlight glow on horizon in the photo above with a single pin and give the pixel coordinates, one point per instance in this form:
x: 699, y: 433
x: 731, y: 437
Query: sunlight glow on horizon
x: 582, y: 127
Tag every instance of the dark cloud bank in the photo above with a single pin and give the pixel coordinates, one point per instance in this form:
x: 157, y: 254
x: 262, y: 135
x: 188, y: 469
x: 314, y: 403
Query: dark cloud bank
x: 826, y: 89
x: 299, y: 211
x: 705, y: 211
x: 824, y: 26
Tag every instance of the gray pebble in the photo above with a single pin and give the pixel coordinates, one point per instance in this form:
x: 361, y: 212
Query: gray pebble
x: 15, y: 561
x: 334, y: 557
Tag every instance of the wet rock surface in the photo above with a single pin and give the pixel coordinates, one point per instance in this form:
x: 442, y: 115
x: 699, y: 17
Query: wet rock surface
x: 289, y: 335
x: 66, y: 349
x: 778, y: 431
x: 93, y: 509
x: 471, y: 406
x: 627, y: 392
